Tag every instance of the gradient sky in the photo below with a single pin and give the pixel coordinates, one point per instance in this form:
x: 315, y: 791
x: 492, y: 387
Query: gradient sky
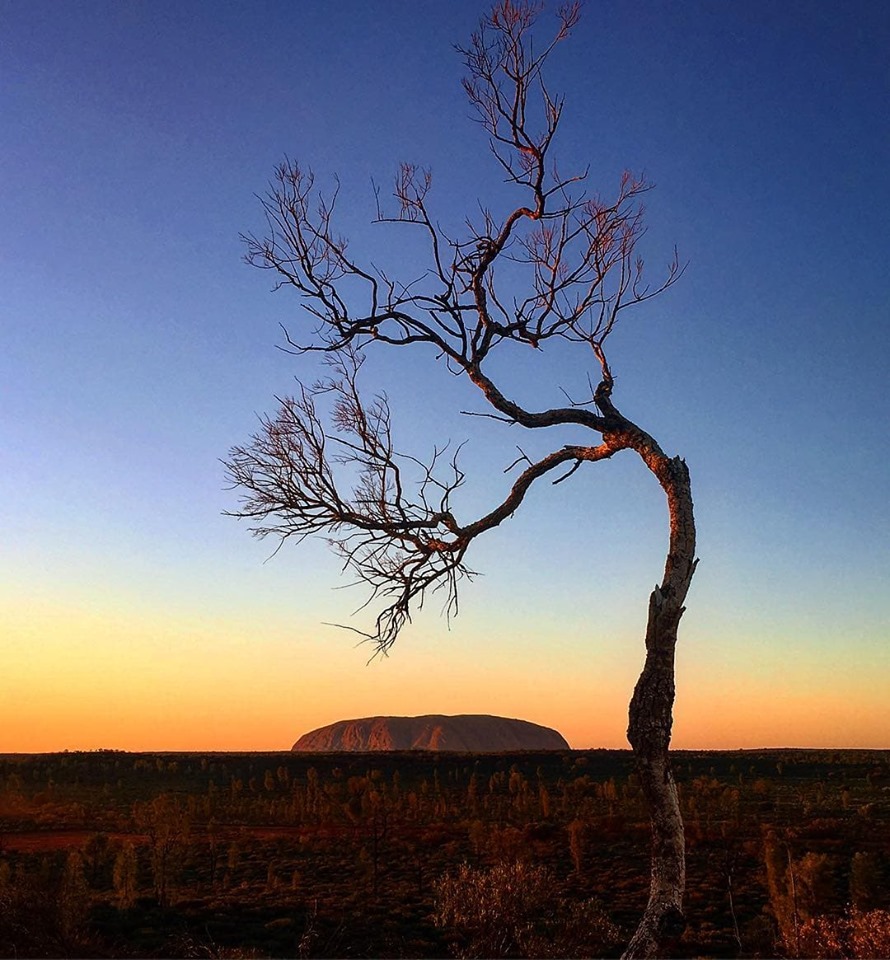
x: 136, y: 349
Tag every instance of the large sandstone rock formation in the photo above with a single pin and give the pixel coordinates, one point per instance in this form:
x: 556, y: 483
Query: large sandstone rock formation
x: 470, y: 733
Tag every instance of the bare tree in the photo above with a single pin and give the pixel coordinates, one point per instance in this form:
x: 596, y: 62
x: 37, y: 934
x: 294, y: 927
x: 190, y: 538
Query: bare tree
x: 392, y: 516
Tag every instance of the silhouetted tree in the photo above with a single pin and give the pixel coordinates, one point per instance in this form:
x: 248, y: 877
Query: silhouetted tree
x: 576, y: 845
x: 73, y: 898
x: 562, y: 265
x: 97, y: 854
x: 166, y: 825
x: 125, y: 876
x: 865, y: 881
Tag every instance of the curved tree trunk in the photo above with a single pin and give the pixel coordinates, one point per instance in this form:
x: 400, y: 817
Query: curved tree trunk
x: 650, y: 716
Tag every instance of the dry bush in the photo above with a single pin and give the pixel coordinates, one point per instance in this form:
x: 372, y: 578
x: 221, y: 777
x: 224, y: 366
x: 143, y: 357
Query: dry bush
x: 857, y: 935
x: 44, y: 913
x: 512, y: 909
x: 190, y: 946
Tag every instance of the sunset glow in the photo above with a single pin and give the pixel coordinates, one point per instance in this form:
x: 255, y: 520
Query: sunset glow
x: 137, y: 349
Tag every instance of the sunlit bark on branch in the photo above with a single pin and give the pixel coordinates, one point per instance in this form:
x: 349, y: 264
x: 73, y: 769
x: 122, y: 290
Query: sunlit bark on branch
x: 326, y: 464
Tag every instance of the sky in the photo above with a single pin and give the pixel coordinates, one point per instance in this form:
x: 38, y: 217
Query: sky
x: 136, y: 348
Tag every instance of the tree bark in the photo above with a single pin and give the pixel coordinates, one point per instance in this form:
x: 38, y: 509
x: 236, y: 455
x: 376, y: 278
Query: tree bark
x: 650, y: 715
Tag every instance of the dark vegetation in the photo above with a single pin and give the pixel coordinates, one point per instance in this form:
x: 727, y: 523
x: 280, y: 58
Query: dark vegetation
x: 433, y: 855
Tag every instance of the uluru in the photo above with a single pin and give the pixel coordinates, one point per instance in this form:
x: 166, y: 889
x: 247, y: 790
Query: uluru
x: 466, y: 733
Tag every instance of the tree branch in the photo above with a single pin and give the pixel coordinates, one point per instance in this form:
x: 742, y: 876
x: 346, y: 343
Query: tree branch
x: 291, y: 475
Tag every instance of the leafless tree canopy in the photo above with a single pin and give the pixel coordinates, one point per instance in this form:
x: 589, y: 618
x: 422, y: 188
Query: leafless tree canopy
x: 341, y: 476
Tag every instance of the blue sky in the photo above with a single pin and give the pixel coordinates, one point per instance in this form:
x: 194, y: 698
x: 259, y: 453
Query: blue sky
x: 137, y: 348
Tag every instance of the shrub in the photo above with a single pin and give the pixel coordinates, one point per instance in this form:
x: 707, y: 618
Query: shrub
x: 857, y: 935
x: 512, y: 909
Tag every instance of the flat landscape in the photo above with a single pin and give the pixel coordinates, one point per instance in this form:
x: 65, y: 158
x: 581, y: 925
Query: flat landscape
x: 109, y: 853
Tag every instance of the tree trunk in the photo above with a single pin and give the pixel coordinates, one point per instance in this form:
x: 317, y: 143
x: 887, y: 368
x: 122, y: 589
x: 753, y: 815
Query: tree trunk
x: 650, y: 717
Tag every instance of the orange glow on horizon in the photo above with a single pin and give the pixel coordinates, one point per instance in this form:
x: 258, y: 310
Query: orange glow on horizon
x: 83, y: 679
